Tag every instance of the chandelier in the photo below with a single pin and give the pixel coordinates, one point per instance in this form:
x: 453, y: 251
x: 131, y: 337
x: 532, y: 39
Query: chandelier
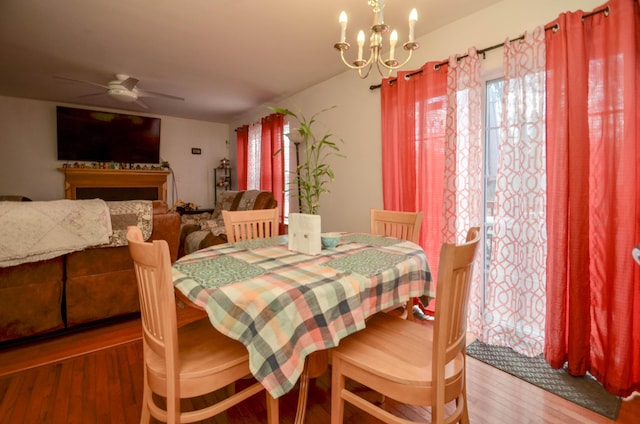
x: 375, y: 43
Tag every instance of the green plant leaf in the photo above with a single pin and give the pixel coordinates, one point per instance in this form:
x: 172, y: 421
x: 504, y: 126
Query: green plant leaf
x: 313, y: 174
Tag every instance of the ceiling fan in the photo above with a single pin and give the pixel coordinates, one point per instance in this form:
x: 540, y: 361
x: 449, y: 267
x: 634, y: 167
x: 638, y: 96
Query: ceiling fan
x: 123, y: 89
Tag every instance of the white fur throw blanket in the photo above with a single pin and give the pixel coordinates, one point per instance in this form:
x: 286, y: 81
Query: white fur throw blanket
x: 34, y: 231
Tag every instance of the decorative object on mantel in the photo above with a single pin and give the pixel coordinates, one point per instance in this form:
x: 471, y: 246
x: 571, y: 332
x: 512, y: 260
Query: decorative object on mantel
x: 117, y: 165
x: 375, y: 40
x: 312, y: 177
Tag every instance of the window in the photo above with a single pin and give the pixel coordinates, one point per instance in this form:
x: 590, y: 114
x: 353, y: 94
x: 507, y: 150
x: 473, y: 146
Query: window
x: 288, y: 172
x: 253, y: 156
x: 493, y: 115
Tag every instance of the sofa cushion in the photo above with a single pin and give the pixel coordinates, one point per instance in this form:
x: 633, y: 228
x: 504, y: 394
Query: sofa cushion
x: 196, y: 219
x: 100, y: 296
x: 31, y: 298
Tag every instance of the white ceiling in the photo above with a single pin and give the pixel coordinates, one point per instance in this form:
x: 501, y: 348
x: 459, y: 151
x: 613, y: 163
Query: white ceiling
x: 224, y: 57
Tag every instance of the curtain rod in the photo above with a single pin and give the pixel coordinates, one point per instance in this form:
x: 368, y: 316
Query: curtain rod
x: 483, y: 52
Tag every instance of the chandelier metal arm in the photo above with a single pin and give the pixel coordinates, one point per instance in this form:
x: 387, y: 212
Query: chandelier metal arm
x: 389, y: 65
x: 358, y: 64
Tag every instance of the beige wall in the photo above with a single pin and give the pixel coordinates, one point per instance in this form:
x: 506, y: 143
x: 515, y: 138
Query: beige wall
x: 28, y: 141
x: 358, y: 183
x: 28, y: 152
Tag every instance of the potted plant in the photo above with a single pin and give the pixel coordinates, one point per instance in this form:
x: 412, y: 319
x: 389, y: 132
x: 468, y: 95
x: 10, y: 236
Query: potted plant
x: 313, y: 176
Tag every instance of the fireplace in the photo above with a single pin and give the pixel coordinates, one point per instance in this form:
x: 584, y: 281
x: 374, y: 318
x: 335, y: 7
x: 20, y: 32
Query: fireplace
x: 115, y: 184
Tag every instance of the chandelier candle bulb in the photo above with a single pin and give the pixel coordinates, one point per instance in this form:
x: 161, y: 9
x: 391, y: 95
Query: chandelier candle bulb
x: 343, y: 26
x: 393, y: 40
x: 413, y: 18
x: 360, y: 44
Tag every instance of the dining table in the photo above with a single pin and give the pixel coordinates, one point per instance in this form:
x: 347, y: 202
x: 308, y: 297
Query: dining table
x: 286, y: 306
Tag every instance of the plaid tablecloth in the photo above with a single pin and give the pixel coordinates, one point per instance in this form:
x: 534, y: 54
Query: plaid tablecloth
x: 283, y: 305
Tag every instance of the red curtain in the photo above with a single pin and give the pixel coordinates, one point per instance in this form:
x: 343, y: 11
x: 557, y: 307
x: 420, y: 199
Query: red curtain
x: 271, y: 164
x: 242, y: 143
x: 414, y: 112
x: 593, y: 153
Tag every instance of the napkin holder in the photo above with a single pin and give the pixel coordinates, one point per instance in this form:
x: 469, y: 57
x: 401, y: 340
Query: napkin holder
x: 304, y: 233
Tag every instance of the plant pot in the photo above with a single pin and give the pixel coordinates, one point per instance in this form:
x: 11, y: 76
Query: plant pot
x: 304, y: 233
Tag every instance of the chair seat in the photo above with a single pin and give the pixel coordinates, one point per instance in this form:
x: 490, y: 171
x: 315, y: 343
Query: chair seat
x: 203, y: 352
x: 376, y: 348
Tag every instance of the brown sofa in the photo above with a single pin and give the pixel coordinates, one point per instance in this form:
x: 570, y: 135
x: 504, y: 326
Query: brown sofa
x: 200, y: 230
x: 77, y: 288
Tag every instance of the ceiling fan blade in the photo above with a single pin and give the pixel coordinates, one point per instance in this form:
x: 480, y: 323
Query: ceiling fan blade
x: 141, y: 104
x: 129, y: 83
x: 82, y: 82
x: 93, y: 95
x: 144, y: 93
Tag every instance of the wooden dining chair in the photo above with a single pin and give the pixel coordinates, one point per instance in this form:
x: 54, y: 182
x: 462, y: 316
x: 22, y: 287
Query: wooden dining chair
x: 247, y: 225
x: 184, y: 362
x: 402, y: 225
x: 413, y: 363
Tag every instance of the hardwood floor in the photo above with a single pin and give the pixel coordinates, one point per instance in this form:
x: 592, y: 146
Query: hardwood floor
x: 96, y: 377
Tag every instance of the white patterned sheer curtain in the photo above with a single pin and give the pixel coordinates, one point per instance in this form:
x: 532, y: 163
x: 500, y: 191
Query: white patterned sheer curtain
x: 463, y: 151
x: 253, y: 156
x: 514, y: 312
x: 463, y: 163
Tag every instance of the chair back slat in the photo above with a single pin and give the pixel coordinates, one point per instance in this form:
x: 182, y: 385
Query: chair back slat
x: 454, y: 282
x: 152, y: 265
x: 401, y: 225
x: 247, y: 225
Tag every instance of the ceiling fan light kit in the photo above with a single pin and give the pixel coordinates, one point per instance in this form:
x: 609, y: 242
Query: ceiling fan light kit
x: 123, y: 95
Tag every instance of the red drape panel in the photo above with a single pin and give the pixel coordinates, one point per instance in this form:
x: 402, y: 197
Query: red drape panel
x: 242, y: 141
x: 413, y: 137
x: 272, y: 166
x: 593, y: 153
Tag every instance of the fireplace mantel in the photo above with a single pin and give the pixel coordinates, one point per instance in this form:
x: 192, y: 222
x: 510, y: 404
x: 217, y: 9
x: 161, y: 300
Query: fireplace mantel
x: 115, y: 184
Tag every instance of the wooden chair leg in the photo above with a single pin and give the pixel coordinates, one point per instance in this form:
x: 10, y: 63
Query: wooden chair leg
x: 273, y: 409
x: 145, y: 416
x: 464, y: 419
x: 337, y: 403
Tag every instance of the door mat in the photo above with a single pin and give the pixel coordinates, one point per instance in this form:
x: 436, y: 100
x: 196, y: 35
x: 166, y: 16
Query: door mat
x: 584, y: 391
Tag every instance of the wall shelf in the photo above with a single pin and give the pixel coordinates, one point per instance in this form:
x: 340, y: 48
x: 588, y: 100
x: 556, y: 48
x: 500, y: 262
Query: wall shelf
x: 221, y: 180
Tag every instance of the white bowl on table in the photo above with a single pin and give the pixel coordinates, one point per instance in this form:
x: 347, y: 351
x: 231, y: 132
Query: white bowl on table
x: 330, y: 240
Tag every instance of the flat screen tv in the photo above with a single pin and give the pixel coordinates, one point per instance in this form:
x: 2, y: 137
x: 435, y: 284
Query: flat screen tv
x: 96, y: 136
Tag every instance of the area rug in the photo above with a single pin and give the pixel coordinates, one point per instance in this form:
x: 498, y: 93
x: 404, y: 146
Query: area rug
x: 584, y: 391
